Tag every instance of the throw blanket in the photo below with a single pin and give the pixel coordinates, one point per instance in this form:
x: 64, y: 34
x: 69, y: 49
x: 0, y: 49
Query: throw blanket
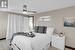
x: 21, y: 43
x: 22, y: 34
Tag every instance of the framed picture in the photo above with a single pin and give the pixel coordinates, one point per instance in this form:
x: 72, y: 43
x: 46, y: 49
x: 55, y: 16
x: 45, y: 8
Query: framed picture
x: 69, y: 21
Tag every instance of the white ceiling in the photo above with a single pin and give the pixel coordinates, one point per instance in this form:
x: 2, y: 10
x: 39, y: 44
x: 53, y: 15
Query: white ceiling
x: 41, y: 5
x: 47, y: 5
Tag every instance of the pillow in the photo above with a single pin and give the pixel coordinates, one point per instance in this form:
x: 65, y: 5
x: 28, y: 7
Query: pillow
x: 30, y: 34
x: 50, y: 30
x: 45, y: 29
x: 40, y: 29
x: 36, y: 29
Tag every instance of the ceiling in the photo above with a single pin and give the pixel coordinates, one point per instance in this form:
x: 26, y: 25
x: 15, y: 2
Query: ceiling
x: 41, y: 5
x: 47, y: 5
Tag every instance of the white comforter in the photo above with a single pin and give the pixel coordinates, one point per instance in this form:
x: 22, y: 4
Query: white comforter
x: 39, y: 42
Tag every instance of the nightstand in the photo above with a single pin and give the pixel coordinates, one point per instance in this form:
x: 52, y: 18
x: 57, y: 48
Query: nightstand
x: 58, y: 42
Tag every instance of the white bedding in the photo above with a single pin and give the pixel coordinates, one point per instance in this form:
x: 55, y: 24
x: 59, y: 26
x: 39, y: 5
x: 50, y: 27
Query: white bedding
x: 39, y: 42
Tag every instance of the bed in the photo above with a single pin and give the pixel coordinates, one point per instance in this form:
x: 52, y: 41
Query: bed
x: 39, y: 42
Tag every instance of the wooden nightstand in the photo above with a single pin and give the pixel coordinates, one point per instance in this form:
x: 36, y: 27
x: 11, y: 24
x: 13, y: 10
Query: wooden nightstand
x: 58, y: 42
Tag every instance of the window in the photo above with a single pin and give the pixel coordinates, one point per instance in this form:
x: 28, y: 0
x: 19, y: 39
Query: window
x: 31, y: 23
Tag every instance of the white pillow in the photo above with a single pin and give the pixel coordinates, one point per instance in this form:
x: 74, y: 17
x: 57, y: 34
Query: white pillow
x: 50, y: 30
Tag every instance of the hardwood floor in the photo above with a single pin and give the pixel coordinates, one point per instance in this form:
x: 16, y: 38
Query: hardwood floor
x: 70, y: 47
x: 73, y: 49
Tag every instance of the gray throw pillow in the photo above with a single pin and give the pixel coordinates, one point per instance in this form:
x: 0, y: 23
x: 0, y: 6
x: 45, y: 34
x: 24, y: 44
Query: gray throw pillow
x: 40, y: 29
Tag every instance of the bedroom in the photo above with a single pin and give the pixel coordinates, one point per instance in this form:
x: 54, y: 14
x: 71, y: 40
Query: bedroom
x: 54, y: 11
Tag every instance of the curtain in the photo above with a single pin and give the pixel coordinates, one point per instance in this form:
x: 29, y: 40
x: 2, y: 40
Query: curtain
x: 16, y: 23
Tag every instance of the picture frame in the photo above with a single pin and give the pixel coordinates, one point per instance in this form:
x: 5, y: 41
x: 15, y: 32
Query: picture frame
x: 69, y: 22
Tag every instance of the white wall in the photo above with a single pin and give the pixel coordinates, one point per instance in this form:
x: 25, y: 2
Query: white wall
x: 3, y: 25
x: 57, y: 20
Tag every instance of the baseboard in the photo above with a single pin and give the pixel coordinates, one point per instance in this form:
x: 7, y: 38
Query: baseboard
x: 69, y: 47
x: 2, y: 38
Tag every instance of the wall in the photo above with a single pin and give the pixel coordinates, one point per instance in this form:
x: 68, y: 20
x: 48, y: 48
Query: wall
x: 3, y: 25
x: 57, y: 18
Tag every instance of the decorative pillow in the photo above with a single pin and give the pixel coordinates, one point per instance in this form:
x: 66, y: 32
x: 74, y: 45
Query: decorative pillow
x: 36, y: 29
x: 45, y: 29
x: 30, y: 34
x: 50, y: 30
x: 40, y: 29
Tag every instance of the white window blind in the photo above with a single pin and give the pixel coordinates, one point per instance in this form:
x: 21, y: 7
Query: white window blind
x: 31, y: 23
